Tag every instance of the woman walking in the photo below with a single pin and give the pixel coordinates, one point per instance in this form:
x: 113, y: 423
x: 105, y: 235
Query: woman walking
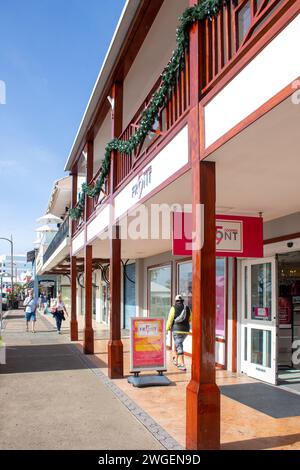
x: 60, y: 311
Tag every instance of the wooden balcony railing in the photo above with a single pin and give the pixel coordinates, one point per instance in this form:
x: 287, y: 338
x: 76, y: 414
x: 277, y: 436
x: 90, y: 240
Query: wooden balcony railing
x: 99, y: 199
x: 176, y: 105
x: 233, y: 31
x: 225, y: 39
x: 77, y: 224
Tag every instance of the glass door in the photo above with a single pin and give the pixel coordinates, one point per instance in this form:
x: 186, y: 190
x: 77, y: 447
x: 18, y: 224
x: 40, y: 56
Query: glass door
x: 259, y: 319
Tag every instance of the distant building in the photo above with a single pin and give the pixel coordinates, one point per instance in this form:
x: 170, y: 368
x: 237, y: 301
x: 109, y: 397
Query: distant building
x: 21, y: 268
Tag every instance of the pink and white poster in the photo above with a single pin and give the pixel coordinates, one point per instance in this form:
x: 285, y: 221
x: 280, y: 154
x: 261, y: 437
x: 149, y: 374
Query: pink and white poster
x: 148, y: 344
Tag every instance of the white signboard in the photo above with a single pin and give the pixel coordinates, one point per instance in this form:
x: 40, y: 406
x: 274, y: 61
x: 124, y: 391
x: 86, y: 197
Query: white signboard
x: 229, y: 236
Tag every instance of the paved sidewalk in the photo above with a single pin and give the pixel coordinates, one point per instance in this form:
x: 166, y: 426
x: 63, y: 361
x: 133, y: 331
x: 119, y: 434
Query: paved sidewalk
x: 51, y: 399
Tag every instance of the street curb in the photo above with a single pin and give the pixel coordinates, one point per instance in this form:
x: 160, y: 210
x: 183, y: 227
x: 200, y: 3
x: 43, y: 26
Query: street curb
x: 149, y: 423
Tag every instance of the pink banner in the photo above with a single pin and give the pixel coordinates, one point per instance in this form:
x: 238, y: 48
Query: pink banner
x: 236, y: 236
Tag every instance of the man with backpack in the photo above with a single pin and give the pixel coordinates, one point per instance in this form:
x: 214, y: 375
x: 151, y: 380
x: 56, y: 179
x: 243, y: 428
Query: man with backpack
x: 179, y: 323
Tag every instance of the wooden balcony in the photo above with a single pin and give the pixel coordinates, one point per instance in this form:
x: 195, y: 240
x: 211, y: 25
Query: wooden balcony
x: 175, y: 107
x: 239, y: 26
x: 228, y: 41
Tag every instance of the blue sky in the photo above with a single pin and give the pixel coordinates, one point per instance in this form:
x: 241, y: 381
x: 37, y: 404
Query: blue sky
x: 50, y: 55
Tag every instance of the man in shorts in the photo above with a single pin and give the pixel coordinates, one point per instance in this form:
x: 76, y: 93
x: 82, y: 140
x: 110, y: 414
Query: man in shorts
x: 30, y: 309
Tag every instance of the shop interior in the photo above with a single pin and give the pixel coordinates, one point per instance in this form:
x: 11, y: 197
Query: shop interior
x: 289, y: 315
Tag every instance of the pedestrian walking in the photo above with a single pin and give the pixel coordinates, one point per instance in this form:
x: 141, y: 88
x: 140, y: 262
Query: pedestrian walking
x: 43, y: 300
x: 179, y: 323
x: 59, y: 312
x: 30, y: 310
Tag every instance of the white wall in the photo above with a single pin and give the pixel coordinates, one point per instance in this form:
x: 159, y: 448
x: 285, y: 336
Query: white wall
x: 153, y: 56
x: 274, y: 68
x: 102, y: 138
x: 286, y: 225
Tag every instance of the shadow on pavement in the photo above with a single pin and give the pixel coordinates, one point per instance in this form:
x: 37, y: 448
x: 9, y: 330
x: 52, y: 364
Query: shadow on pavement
x: 262, y: 443
x: 41, y: 358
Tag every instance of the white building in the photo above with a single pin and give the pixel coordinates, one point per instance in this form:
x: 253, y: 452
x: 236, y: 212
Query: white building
x: 21, y: 268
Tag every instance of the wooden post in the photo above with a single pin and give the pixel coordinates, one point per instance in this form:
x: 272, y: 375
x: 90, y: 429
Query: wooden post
x: 203, y: 395
x: 115, y: 345
x: 73, y: 323
x: 88, y: 345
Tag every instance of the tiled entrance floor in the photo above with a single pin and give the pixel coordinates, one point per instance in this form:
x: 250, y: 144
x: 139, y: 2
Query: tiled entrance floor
x: 242, y: 427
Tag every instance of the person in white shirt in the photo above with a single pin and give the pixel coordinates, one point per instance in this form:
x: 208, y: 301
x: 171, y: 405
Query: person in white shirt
x: 60, y: 311
x: 30, y: 309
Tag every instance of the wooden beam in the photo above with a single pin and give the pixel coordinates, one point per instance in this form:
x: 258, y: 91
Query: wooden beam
x: 115, y: 345
x: 88, y: 345
x: 74, y: 322
x: 203, y: 395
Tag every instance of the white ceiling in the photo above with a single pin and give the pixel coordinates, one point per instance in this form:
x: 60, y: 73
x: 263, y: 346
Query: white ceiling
x: 256, y: 171
x: 259, y: 169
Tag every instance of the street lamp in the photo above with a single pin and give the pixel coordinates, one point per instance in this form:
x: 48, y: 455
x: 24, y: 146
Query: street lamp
x: 1, y: 310
x: 12, y: 259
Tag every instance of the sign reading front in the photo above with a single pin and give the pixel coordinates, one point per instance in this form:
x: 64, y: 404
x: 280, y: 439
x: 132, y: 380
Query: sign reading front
x: 236, y: 236
x: 147, y: 345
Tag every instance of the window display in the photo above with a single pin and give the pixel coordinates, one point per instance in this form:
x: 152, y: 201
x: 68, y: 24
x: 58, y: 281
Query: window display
x: 160, y: 292
x: 184, y: 283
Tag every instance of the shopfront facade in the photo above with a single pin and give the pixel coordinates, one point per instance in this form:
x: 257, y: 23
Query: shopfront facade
x: 225, y: 140
x: 269, y: 310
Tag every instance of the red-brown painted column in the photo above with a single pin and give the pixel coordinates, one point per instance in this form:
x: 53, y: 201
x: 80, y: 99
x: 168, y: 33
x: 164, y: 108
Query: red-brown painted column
x: 115, y: 345
x: 203, y: 396
x: 73, y: 267
x: 88, y: 345
x: 73, y: 323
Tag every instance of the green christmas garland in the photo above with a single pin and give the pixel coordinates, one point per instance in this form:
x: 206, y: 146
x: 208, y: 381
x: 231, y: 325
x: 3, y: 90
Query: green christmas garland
x: 205, y: 9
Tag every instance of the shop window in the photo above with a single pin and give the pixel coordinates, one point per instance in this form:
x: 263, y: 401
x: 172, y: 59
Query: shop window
x: 220, y: 297
x: 261, y: 292
x: 160, y: 292
x: 66, y: 296
x: 261, y: 347
x: 245, y: 343
x: 185, y: 282
x: 184, y: 287
x: 246, y: 292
